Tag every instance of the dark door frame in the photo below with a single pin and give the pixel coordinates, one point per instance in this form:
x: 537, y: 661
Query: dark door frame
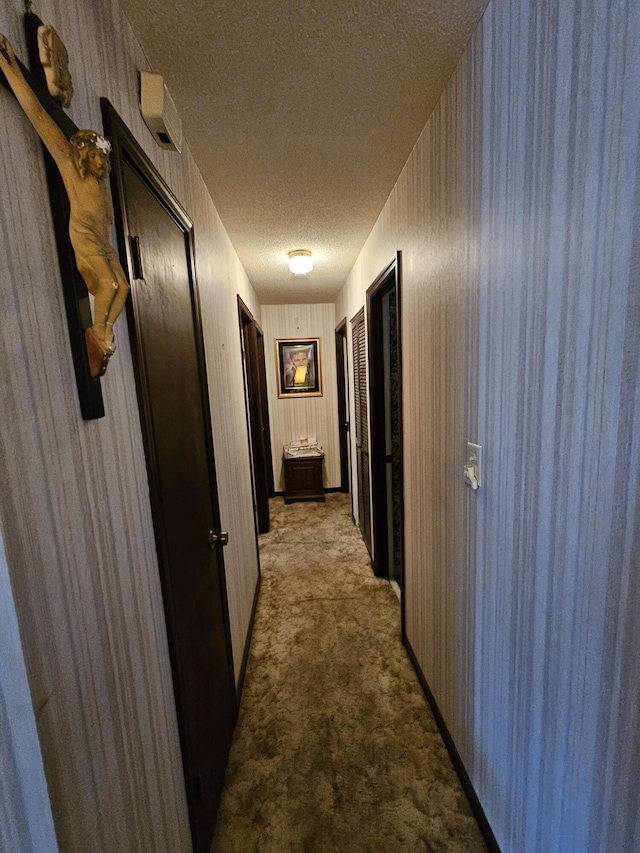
x: 344, y: 424
x: 127, y: 150
x: 264, y: 408
x: 262, y: 483
x: 388, y: 278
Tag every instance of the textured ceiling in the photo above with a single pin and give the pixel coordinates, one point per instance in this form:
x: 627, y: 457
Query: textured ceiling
x: 301, y: 115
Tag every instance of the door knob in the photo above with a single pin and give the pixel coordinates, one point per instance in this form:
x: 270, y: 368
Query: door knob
x: 221, y: 538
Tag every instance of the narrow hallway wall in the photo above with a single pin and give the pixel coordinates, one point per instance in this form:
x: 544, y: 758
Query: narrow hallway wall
x: 519, y: 221
x: 307, y: 416
x: 26, y: 823
x: 74, y: 498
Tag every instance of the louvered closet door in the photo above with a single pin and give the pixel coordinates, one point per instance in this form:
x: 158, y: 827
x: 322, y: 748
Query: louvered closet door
x: 362, y: 425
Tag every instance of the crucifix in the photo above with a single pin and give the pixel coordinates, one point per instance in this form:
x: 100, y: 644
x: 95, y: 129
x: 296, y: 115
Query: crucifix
x: 83, y: 165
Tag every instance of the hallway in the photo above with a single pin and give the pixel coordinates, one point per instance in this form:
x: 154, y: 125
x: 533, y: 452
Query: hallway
x: 513, y: 217
x: 336, y: 748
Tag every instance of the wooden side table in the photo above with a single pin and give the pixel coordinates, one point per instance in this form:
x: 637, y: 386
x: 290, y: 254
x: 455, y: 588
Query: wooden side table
x: 303, y: 479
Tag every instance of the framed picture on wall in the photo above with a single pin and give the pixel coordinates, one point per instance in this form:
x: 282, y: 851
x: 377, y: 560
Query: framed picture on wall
x: 298, y: 367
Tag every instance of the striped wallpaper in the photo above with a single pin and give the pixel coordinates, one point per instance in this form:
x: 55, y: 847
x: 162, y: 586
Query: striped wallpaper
x: 25, y: 814
x: 74, y: 503
x: 518, y: 218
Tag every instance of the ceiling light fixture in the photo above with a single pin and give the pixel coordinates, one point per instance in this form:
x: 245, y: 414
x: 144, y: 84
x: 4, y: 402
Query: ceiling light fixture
x: 300, y: 262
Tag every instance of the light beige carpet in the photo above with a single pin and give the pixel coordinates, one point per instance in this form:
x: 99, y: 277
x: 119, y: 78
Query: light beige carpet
x: 336, y: 750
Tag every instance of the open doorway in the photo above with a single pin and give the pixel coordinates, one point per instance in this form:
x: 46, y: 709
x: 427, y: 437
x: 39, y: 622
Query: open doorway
x: 385, y: 393
x: 264, y: 409
x: 252, y: 344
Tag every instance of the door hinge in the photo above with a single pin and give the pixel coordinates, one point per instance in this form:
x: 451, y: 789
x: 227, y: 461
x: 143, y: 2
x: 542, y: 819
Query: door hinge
x: 136, y: 257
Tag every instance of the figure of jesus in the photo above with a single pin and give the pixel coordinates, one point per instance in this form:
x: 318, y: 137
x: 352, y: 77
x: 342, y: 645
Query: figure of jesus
x: 298, y: 370
x: 83, y: 162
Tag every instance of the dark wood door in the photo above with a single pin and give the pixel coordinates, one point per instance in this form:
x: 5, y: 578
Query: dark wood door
x: 385, y: 421
x: 262, y: 476
x: 343, y: 405
x: 176, y: 419
x: 264, y: 412
x: 358, y: 341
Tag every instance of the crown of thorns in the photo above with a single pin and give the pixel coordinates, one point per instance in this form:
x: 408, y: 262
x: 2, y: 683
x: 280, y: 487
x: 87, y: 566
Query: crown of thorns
x: 88, y: 138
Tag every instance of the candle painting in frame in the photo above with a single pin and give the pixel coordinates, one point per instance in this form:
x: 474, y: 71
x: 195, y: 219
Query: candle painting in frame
x: 298, y: 367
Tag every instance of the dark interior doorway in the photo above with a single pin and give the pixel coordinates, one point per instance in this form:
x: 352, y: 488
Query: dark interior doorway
x: 344, y: 425
x: 359, y: 347
x: 264, y: 409
x: 385, y: 394
x: 252, y: 345
x: 155, y: 238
